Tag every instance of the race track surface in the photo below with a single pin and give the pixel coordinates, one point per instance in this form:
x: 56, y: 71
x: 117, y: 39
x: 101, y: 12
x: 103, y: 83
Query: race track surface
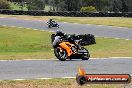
x: 33, y: 69
x: 97, y: 30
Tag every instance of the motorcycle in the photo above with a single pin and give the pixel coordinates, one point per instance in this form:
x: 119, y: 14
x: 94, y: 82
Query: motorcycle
x: 52, y: 24
x: 65, y: 47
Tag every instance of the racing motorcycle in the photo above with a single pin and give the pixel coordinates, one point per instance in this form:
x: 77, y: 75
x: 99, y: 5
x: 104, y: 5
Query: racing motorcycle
x: 65, y: 47
x: 52, y: 24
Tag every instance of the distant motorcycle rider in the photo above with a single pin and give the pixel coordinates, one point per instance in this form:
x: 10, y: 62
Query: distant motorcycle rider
x: 52, y: 23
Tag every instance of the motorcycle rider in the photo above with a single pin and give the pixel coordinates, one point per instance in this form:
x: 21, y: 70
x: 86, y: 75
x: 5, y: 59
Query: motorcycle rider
x: 59, y: 35
x: 52, y: 23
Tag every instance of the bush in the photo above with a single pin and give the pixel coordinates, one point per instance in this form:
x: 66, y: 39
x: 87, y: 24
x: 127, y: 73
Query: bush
x: 88, y: 9
x: 36, y: 5
x: 4, y: 4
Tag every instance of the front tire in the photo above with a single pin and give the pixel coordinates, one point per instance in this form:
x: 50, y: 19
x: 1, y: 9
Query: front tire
x: 49, y: 26
x: 86, y: 56
x: 60, y: 53
x: 57, y: 26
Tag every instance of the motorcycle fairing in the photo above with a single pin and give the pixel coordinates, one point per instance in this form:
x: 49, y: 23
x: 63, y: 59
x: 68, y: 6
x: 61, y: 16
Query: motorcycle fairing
x: 66, y: 46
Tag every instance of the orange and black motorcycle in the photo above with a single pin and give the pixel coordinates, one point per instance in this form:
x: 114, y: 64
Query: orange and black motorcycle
x: 65, y: 47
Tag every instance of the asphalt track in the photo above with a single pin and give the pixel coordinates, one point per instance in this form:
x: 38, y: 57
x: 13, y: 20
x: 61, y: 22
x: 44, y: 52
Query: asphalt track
x: 33, y: 69
x: 97, y: 30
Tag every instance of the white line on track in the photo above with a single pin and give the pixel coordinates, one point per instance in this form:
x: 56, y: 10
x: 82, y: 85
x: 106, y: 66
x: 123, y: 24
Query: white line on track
x: 51, y: 31
x: 117, y: 38
x: 12, y: 26
x: 88, y: 24
x: 2, y: 17
x: 4, y: 25
x: 14, y: 18
x: 56, y: 59
x: 35, y: 29
x: 26, y: 19
x: 40, y: 20
x: 40, y: 59
x: 100, y: 25
x: 42, y: 30
x: 121, y: 57
x: 25, y: 28
x: 75, y: 23
x: 65, y: 22
x: 68, y: 77
x: 19, y: 79
x: 46, y: 78
x: 127, y: 39
x: 20, y: 27
x: 105, y: 37
x: 31, y: 60
x: 28, y: 28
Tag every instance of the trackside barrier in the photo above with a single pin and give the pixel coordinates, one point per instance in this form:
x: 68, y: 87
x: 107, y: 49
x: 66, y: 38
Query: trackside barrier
x: 67, y: 13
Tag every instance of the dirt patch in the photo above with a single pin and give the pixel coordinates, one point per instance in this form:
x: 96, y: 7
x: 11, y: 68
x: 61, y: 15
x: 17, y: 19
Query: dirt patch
x: 57, y: 83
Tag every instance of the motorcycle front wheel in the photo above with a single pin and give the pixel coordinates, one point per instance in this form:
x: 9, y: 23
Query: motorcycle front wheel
x: 60, y: 53
x: 86, y: 56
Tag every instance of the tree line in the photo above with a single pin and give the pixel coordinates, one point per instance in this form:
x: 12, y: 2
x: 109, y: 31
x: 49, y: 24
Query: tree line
x: 73, y: 5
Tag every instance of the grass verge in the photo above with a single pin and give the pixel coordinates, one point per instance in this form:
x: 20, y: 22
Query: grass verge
x: 55, y: 83
x: 110, y: 21
x: 109, y: 47
x: 21, y: 43
x: 16, y: 43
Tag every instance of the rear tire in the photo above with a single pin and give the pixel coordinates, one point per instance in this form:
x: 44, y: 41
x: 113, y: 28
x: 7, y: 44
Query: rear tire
x: 61, y: 55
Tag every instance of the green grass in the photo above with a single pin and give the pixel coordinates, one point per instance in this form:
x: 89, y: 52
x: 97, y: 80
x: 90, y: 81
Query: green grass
x: 18, y: 40
x: 109, y: 47
x: 24, y: 43
x: 54, y: 83
x: 20, y: 43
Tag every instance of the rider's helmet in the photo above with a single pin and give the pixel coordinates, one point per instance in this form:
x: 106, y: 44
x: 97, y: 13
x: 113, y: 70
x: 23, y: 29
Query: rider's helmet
x: 50, y: 20
x: 59, y: 33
